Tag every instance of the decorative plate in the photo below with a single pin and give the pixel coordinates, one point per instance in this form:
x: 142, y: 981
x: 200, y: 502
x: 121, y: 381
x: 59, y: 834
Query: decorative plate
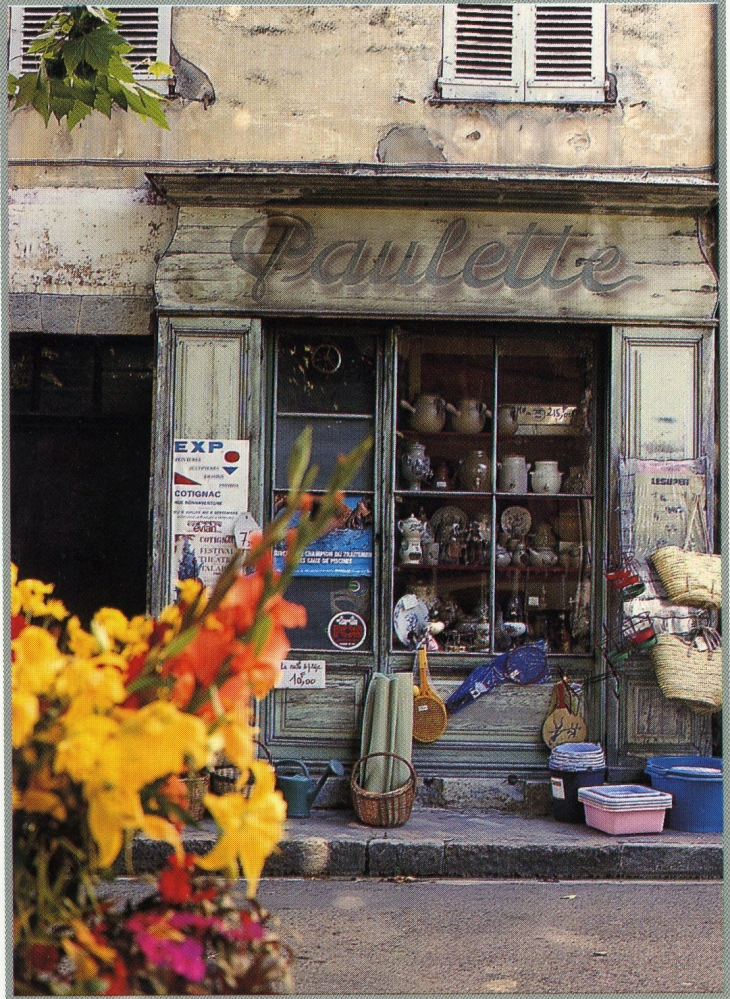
x: 516, y: 521
x: 410, y: 620
x: 447, y: 515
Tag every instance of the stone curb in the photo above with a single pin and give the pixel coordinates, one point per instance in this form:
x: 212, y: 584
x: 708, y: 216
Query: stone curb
x: 379, y: 856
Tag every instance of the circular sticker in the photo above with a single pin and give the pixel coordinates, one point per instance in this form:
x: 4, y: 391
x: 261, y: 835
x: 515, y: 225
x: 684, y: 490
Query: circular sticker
x: 347, y: 630
x: 230, y: 456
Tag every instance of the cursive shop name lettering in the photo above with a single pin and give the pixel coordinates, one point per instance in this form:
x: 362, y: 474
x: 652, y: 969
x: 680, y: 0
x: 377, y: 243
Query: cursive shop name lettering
x: 289, y: 240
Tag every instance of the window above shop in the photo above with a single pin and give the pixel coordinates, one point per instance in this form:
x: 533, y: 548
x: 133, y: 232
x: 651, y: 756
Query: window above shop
x: 147, y: 29
x: 530, y: 53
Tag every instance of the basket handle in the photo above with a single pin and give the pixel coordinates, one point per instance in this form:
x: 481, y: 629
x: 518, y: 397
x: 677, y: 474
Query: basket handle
x: 363, y: 759
x: 703, y: 526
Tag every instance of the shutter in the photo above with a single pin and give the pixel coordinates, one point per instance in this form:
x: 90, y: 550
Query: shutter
x: 147, y: 29
x: 566, y: 53
x: 483, y: 52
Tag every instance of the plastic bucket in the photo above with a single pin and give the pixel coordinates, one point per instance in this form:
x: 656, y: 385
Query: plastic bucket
x: 696, y: 787
x: 565, y: 784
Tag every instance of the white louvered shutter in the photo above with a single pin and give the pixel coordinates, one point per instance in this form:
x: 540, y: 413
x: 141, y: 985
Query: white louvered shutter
x: 524, y: 52
x: 566, y: 57
x: 483, y: 52
x: 145, y: 28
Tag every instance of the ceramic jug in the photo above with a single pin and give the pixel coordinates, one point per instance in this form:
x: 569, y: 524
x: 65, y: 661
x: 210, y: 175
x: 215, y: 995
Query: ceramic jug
x: 428, y: 415
x: 470, y: 416
x: 507, y: 421
x: 475, y: 474
x: 546, y: 477
x: 415, y: 466
x: 513, y: 471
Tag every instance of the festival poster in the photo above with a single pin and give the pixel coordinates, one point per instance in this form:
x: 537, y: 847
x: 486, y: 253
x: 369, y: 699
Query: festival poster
x: 209, y: 494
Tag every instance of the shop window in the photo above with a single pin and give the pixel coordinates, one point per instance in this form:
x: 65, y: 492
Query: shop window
x: 147, y: 29
x: 328, y: 382
x: 480, y: 496
x: 546, y: 53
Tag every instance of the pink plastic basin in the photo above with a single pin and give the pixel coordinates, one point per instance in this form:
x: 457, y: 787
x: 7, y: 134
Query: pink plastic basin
x: 644, y: 820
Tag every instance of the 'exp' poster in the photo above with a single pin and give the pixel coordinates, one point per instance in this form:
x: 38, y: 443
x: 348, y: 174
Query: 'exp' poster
x: 209, y: 493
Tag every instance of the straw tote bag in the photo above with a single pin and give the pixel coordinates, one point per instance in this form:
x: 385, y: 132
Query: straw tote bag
x: 689, y: 668
x: 691, y: 579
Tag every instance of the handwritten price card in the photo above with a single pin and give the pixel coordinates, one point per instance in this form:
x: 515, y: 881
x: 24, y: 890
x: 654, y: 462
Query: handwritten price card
x: 306, y: 674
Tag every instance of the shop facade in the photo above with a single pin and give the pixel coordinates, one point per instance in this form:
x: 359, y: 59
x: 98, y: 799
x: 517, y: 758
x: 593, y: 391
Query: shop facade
x: 509, y: 344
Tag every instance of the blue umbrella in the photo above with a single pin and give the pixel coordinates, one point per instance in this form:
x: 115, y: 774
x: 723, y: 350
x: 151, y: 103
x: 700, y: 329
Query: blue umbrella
x: 525, y: 664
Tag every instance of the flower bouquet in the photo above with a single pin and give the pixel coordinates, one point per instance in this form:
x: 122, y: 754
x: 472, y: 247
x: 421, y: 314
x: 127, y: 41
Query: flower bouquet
x: 105, y: 722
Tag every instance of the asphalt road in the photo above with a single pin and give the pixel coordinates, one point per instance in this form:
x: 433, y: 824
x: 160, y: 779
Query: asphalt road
x: 371, y: 937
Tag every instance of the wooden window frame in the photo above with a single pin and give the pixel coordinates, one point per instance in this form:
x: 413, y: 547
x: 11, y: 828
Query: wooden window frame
x: 524, y: 88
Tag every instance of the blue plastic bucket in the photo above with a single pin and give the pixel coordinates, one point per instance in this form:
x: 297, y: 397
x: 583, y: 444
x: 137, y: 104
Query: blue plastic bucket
x: 696, y: 787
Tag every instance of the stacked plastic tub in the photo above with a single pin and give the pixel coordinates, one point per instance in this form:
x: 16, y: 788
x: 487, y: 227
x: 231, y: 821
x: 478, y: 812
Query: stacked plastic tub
x: 695, y: 783
x: 574, y: 765
x: 625, y: 808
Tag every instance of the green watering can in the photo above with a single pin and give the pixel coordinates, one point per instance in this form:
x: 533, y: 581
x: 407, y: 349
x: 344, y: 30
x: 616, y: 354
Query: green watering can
x: 299, y: 790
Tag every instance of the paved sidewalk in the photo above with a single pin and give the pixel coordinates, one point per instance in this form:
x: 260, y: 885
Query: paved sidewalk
x: 437, y: 842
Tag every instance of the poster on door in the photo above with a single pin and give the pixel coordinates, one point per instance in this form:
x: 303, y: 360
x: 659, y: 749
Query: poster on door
x: 209, y: 495
x: 346, y: 550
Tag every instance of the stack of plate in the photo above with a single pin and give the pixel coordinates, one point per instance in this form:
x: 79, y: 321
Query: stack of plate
x: 577, y: 757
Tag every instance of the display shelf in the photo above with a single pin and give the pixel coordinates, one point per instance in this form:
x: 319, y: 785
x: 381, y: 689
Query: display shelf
x: 441, y: 434
x: 503, y: 571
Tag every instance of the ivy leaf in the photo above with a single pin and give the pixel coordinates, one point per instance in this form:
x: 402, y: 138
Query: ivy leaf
x: 103, y: 102
x: 61, y: 107
x: 73, y: 53
x: 27, y: 86
x: 12, y: 84
x: 120, y: 69
x: 152, y: 108
x: 79, y: 111
x: 159, y: 69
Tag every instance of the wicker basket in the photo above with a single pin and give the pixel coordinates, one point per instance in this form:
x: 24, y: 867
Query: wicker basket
x: 688, y: 673
x: 389, y: 808
x: 197, y: 785
x: 223, y: 778
x: 691, y: 579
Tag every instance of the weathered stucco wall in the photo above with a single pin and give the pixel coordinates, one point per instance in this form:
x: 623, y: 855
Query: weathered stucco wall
x: 325, y: 83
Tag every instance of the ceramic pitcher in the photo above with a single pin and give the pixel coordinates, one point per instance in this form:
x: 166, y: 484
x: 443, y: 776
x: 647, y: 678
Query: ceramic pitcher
x: 469, y: 417
x: 428, y: 415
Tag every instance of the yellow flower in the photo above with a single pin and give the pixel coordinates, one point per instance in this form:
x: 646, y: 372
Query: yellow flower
x: 250, y: 827
x: 90, y: 750
x: 86, y: 938
x: 33, y: 596
x: 189, y: 590
x: 80, y: 642
x: 237, y: 737
x: 158, y: 740
x: 56, y: 609
x: 37, y: 660
x: 92, y: 685
x: 16, y: 597
x: 110, y: 623
x: 25, y: 713
x: 114, y: 810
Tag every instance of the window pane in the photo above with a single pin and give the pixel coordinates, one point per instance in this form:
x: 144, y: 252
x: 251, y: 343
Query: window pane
x: 330, y: 438
x: 326, y: 374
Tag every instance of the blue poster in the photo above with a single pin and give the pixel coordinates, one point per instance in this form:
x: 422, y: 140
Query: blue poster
x: 347, y: 550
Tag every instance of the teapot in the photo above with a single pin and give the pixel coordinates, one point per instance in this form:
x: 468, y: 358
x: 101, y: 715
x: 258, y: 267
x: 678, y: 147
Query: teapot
x: 507, y: 421
x: 299, y: 790
x: 428, y: 415
x: 470, y: 417
x: 411, y: 550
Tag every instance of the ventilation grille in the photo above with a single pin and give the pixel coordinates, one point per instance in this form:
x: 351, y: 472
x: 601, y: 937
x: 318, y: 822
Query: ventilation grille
x: 138, y: 26
x: 563, y: 43
x: 484, y: 41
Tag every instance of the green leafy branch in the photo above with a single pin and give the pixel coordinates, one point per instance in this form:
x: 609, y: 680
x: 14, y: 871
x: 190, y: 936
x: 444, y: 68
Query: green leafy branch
x: 82, y: 69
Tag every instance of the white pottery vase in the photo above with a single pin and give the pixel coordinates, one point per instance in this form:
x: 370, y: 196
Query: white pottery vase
x: 513, y: 474
x: 546, y: 477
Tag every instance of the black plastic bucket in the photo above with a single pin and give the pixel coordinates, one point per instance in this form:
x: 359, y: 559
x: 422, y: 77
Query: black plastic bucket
x: 565, y: 784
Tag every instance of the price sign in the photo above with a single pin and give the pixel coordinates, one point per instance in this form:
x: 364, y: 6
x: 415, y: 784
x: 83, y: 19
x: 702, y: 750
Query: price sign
x: 305, y: 674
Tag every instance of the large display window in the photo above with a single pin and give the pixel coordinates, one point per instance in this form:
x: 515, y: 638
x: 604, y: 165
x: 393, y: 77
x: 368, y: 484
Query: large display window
x: 480, y: 495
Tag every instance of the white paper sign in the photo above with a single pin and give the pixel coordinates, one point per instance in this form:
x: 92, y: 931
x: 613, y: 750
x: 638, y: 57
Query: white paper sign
x: 209, y: 493
x: 306, y: 674
x: 243, y: 528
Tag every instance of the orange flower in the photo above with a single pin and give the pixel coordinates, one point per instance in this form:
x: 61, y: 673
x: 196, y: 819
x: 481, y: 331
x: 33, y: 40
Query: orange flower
x: 237, y: 609
x: 203, y: 656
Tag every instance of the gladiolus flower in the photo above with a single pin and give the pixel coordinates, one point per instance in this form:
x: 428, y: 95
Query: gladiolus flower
x: 204, y: 655
x: 250, y: 827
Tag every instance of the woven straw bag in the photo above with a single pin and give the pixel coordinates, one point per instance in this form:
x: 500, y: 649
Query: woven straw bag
x: 689, y: 668
x: 691, y: 579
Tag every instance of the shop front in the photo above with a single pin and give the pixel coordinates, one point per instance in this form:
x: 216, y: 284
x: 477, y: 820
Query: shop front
x: 508, y: 360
